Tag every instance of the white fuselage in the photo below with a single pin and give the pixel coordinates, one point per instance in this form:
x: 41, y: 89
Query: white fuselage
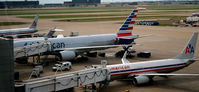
x: 70, y: 42
x: 155, y: 66
x: 17, y: 31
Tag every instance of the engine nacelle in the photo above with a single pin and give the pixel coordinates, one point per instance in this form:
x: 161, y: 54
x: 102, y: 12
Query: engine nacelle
x: 67, y: 55
x: 141, y: 80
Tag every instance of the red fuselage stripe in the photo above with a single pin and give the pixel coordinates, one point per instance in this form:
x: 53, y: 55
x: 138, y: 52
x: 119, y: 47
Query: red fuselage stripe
x: 147, y: 71
x: 124, y: 34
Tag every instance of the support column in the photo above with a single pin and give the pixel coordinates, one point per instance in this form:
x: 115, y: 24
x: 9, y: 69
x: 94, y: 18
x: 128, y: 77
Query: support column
x: 6, y: 66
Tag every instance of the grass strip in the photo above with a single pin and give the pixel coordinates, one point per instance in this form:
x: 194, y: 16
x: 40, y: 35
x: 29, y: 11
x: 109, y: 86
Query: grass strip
x: 11, y: 23
x: 5, y: 13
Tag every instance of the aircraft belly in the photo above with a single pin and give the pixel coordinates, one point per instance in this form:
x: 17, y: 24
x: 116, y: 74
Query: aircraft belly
x: 119, y: 77
x: 169, y: 70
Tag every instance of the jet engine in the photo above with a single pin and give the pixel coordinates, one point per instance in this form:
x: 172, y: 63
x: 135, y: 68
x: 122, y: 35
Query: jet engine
x: 141, y: 80
x: 67, y: 55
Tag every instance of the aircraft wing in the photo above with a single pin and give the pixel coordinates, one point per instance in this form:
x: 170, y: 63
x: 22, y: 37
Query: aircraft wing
x: 166, y: 74
x: 136, y: 36
x: 194, y: 59
x: 145, y: 36
x: 89, y: 48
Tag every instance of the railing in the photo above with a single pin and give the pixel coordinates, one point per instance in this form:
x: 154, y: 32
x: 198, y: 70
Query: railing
x: 66, y: 80
x: 32, y: 49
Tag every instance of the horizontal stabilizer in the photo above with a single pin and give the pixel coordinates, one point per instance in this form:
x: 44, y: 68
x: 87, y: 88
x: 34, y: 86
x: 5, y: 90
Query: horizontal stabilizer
x: 141, y: 36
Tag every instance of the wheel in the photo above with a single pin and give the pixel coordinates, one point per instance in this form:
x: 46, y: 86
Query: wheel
x: 65, y: 69
x: 69, y: 67
x: 120, y: 53
x: 151, y: 81
x: 54, y: 70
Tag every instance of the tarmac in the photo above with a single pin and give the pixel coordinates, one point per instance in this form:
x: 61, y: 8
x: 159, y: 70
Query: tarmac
x: 163, y: 42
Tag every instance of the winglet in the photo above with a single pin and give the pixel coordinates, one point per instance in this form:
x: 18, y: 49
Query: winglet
x: 124, y: 60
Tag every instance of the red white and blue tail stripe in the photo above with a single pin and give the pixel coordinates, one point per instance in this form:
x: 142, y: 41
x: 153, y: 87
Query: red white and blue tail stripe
x: 127, y: 27
x: 34, y: 23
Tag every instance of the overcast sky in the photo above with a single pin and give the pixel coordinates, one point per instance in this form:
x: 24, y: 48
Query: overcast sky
x: 61, y: 1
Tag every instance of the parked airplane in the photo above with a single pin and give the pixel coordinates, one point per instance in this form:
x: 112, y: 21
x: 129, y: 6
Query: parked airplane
x: 143, y: 72
x: 68, y: 48
x: 20, y: 32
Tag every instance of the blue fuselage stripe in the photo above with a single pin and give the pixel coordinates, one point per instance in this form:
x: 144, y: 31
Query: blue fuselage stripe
x: 132, y: 70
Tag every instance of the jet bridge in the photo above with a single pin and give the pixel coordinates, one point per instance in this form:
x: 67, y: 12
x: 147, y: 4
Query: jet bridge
x: 32, y: 49
x: 65, y: 81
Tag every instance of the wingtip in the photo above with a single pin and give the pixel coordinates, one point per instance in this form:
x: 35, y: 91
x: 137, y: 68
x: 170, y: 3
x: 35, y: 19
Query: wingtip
x: 124, y: 60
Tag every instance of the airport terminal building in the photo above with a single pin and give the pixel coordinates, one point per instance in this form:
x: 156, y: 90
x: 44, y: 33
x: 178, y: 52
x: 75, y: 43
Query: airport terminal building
x: 19, y: 4
x: 82, y: 2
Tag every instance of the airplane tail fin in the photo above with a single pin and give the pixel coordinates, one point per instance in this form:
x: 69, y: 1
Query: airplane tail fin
x: 34, y: 23
x: 52, y: 31
x: 189, y: 50
x: 127, y: 27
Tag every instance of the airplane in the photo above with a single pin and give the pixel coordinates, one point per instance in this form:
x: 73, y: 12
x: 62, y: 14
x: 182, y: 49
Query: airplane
x: 20, y: 32
x: 68, y: 48
x: 143, y: 72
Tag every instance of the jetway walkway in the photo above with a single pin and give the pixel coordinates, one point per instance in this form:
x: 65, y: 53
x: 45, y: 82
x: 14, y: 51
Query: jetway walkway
x: 65, y: 81
x: 32, y: 49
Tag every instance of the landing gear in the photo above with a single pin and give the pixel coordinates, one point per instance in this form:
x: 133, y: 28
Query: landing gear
x: 91, y: 54
x: 129, y: 50
x: 22, y: 60
x: 121, y: 54
x: 82, y: 58
x: 101, y: 54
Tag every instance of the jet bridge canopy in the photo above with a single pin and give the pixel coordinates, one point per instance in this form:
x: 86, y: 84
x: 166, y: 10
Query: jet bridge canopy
x: 32, y: 49
x: 66, y: 80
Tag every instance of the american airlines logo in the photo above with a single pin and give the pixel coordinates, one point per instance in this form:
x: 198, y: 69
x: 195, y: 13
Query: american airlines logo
x: 120, y: 68
x: 189, y: 49
x: 34, y: 23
